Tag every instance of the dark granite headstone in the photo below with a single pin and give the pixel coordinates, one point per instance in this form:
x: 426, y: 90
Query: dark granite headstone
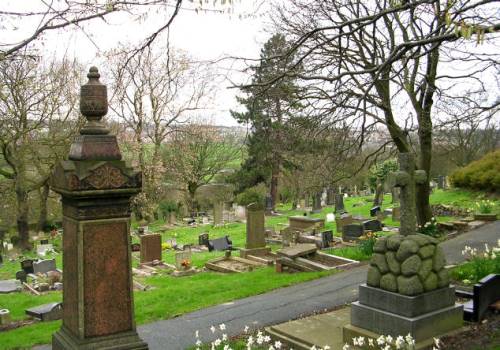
x: 44, y: 266
x: 269, y: 204
x: 485, y: 293
x: 352, y: 232
x: 27, y: 265
x: 21, y: 276
x: 46, y: 312
x: 203, y: 239
x: 339, y: 203
x: 375, y: 210
x: 441, y: 182
x: 326, y: 238
x: 44, y: 241
x: 220, y: 244
x: 372, y: 225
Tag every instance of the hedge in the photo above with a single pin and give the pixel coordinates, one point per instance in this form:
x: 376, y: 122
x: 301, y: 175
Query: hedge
x: 482, y: 174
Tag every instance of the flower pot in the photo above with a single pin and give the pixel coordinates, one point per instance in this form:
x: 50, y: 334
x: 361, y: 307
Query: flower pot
x: 485, y: 217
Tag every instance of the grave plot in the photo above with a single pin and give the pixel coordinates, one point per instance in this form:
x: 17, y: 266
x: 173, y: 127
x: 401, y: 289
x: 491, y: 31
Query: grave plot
x: 306, y: 257
x: 184, y: 264
x: 231, y: 264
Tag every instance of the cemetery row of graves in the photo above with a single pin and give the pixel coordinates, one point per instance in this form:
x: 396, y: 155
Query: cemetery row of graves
x: 254, y: 250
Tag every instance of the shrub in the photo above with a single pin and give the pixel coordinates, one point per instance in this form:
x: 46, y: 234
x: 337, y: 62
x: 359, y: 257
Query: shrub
x: 483, y: 174
x: 256, y: 194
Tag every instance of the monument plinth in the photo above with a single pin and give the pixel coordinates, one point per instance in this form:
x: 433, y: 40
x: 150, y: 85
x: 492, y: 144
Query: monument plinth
x: 96, y: 187
x: 407, y: 288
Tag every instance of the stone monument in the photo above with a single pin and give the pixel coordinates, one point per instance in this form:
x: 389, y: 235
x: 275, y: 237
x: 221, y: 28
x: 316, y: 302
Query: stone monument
x: 150, y: 248
x: 218, y: 213
x: 256, y: 233
x: 317, y: 202
x: 407, y: 289
x: 96, y: 187
x: 339, y: 203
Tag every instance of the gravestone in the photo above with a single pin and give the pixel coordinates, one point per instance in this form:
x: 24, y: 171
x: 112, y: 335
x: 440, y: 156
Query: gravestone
x: 27, y: 265
x: 44, y: 241
x: 317, y: 203
x: 352, y: 232
x: 375, y: 210
x: 96, y: 187
x: 21, y: 276
x: 330, y: 217
x: 305, y: 223
x: 396, y: 214
x: 135, y: 247
x: 203, y: 239
x: 220, y: 244
x: 330, y: 196
x: 326, y: 238
x: 5, y: 318
x: 150, y: 248
x: 302, y: 203
x: 395, y: 195
x: 269, y: 205
x: 372, y: 225
x: 218, y: 213
x: 441, y: 182
x: 44, y: 266
x: 183, y: 260
x: 407, y: 289
x: 43, y: 249
x: 46, y: 312
x: 10, y: 286
x: 256, y: 233
x: 339, y: 203
x: 484, y: 293
x: 342, y: 220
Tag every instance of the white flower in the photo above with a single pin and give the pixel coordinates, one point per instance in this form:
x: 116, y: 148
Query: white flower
x: 246, y: 329
x: 271, y: 347
x: 381, y: 340
x: 313, y: 348
x: 267, y: 339
x: 217, y: 342
x: 399, y: 342
x: 387, y: 347
x: 277, y: 344
x: 212, y: 329
x: 222, y: 327
x: 198, y: 342
x: 250, y: 341
x: 224, y: 337
x: 227, y: 347
x: 437, y: 342
x: 409, y: 339
x: 326, y: 347
x: 370, y: 342
x: 197, y: 334
x: 346, y: 347
x: 389, y: 339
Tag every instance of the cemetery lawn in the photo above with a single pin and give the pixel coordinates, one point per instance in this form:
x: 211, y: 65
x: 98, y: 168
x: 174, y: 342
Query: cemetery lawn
x: 173, y: 296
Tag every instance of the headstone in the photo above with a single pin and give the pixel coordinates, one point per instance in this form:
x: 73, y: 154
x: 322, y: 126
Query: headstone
x: 240, y: 212
x: 96, y: 186
x: 10, y: 286
x: 395, y: 195
x: 44, y: 241
x: 205, y: 220
x: 43, y: 249
x: 396, y: 213
x: 317, y: 203
x: 150, y: 248
x: 183, y: 260
x: 27, y: 265
x: 342, y: 220
x: 46, y: 312
x: 269, y: 205
x: 172, y: 242
x: 330, y: 217
x: 326, y: 238
x: 305, y: 223
x: 372, y: 225
x: 220, y: 244
x: 441, y: 182
x: 256, y: 233
x: 339, y: 203
x: 21, y: 276
x: 484, y: 293
x: 203, y: 239
x: 352, y: 232
x: 330, y: 196
x: 44, y: 266
x: 375, y: 210
x: 218, y: 213
x: 302, y: 203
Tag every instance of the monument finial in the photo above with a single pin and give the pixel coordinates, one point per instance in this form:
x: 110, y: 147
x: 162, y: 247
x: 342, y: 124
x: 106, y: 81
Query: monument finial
x: 94, y: 104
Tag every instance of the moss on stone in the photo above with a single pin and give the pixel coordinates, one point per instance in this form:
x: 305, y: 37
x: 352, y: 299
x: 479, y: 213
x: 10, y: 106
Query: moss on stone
x: 409, y: 285
x: 411, y: 265
x: 388, y: 282
x: 407, y: 248
x: 373, y: 277
x: 393, y: 263
x: 379, y: 261
x: 431, y: 282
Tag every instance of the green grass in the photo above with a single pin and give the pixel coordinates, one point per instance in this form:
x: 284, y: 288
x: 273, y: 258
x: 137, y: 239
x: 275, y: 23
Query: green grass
x: 175, y: 296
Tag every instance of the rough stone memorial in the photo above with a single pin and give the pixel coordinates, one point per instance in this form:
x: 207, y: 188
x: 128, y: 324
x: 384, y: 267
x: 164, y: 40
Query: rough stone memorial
x: 407, y: 289
x: 96, y: 187
x: 256, y: 232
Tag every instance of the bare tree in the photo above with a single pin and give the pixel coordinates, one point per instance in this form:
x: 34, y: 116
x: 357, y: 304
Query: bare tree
x: 37, y: 104
x: 366, y: 63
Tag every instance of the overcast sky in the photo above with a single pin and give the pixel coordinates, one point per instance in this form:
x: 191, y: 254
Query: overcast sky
x: 205, y: 35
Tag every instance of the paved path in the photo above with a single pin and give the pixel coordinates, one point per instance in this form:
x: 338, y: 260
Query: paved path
x: 286, y: 303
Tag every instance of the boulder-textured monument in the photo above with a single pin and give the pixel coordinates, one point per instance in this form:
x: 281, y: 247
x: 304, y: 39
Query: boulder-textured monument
x: 96, y: 187
x: 256, y: 232
x: 407, y: 289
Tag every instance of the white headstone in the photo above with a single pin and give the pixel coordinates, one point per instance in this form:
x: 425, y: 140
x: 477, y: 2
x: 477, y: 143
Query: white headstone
x: 330, y: 217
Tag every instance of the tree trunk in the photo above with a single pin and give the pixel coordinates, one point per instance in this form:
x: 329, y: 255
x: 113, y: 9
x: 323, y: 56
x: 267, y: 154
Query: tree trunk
x: 423, y: 191
x: 42, y: 218
x: 379, y: 194
x: 22, y: 220
x: 274, y: 185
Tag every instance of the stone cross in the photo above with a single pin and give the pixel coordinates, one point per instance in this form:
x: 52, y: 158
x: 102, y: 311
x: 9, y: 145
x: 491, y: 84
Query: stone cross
x: 406, y: 179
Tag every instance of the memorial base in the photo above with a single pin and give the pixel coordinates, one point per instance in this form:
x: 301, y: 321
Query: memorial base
x: 254, y: 251
x: 65, y: 340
